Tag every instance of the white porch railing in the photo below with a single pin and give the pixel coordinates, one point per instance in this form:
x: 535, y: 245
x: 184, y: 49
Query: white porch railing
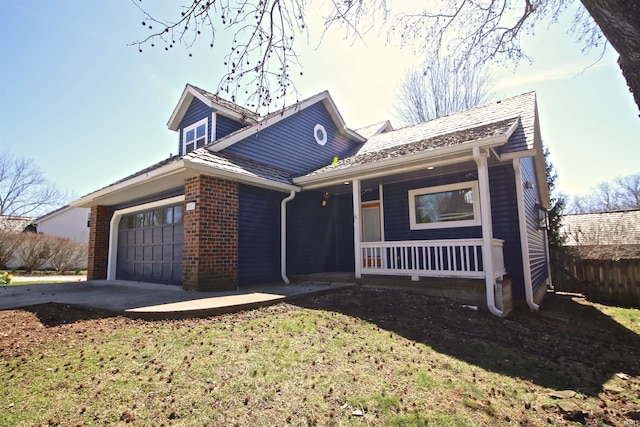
x: 460, y: 258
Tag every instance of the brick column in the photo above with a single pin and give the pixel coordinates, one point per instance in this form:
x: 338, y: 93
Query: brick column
x: 210, y: 253
x: 98, y: 243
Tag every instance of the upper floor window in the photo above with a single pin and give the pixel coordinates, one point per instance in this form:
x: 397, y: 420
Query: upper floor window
x: 195, y: 136
x: 454, y: 205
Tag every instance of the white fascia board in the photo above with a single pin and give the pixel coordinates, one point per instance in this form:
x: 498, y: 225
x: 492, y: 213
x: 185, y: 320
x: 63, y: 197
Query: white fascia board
x: 245, y: 179
x: 405, y: 163
x: 181, y: 108
x: 161, y: 172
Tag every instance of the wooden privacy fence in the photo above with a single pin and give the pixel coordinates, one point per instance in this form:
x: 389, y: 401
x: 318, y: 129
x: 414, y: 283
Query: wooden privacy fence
x: 605, y: 281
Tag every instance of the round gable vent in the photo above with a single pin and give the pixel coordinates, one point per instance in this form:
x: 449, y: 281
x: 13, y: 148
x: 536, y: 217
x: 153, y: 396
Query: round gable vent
x: 320, y: 134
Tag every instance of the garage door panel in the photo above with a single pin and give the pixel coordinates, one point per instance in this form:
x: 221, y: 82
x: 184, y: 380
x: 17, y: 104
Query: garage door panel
x: 178, y: 233
x: 148, y: 253
x: 177, y: 272
x: 167, y: 234
x: 148, y: 236
x: 177, y: 251
x: 157, y: 235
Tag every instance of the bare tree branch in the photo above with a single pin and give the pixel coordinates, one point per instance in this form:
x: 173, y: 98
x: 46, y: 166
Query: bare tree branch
x: 261, y: 61
x: 441, y: 89
x: 23, y: 188
x: 622, y: 193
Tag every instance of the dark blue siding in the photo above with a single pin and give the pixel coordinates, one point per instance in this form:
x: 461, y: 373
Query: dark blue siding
x: 258, y: 235
x: 319, y: 238
x: 535, y: 238
x: 345, y: 260
x: 290, y: 143
x: 225, y: 126
x: 197, y: 111
x: 504, y: 219
x: 396, y: 211
x: 369, y: 195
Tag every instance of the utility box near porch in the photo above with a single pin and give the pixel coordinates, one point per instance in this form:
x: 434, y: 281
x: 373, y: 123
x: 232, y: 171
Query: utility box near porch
x: 504, y: 300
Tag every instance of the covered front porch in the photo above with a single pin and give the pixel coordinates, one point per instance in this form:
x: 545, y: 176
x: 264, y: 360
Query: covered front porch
x: 458, y: 259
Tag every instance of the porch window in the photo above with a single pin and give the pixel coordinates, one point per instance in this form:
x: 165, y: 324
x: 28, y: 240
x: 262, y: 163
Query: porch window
x: 453, y: 205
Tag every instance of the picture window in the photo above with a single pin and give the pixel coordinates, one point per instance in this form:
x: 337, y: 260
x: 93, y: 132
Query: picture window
x: 445, y: 206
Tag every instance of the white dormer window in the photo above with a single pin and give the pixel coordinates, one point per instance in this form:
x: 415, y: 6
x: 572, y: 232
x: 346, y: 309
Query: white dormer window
x: 195, y: 136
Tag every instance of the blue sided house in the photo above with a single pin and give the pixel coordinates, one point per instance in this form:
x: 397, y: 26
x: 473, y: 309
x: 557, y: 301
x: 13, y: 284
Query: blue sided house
x: 457, y: 204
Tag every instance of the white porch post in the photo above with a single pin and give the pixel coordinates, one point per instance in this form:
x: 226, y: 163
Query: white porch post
x: 355, y: 187
x: 487, y: 229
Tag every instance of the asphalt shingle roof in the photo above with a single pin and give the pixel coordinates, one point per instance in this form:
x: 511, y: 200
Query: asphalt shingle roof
x: 14, y: 223
x: 376, y: 128
x: 523, y: 106
x: 603, y: 228
x: 365, y: 156
x: 226, y: 104
x: 239, y: 165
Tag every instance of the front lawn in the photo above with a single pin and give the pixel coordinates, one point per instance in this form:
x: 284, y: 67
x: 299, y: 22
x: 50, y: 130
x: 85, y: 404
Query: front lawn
x: 355, y: 357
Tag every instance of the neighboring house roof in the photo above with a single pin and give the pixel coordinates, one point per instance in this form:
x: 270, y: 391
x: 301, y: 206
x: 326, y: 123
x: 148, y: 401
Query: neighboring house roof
x: 15, y: 223
x: 602, y: 228
x: 52, y: 213
x: 369, y: 131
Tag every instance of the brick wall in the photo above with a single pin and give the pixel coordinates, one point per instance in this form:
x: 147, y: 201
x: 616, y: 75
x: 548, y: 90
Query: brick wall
x: 210, y: 254
x: 98, y: 243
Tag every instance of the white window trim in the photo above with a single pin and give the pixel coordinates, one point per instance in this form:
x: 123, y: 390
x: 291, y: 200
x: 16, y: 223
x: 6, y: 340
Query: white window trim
x: 476, y: 221
x: 204, y: 121
x: 320, y: 140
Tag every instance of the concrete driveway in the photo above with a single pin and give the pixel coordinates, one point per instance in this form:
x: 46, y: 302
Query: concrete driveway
x: 154, y: 300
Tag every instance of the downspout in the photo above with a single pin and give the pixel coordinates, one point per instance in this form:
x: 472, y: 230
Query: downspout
x: 524, y: 247
x: 357, y: 256
x: 283, y: 236
x: 487, y: 231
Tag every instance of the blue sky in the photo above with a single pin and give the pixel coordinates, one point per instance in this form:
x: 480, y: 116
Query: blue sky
x: 91, y: 110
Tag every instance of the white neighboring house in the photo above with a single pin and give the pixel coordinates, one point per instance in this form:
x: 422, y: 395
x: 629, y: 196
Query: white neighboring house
x: 67, y: 221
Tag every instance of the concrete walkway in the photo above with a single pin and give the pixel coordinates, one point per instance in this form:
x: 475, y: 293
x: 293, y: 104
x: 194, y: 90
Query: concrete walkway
x: 154, y: 300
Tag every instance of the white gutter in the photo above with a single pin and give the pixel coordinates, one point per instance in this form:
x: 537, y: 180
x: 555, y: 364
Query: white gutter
x: 382, y: 167
x: 524, y: 247
x: 487, y: 231
x: 283, y: 236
